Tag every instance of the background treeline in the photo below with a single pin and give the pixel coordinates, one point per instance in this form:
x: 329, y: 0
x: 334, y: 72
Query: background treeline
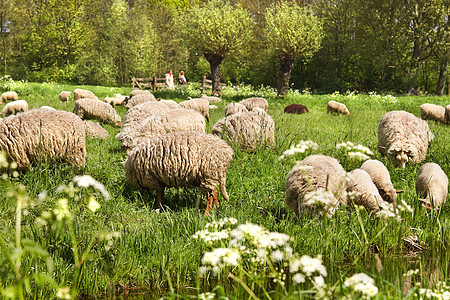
x: 399, y: 46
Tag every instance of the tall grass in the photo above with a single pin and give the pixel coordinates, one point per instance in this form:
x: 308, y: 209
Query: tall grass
x: 156, y: 255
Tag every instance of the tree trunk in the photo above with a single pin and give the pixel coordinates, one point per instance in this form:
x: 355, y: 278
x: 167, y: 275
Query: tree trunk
x: 442, y: 76
x: 284, y: 74
x: 214, y: 62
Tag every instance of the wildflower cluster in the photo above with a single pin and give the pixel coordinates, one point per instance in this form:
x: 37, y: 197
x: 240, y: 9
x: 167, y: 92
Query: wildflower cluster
x: 349, y: 95
x: 8, y: 84
x: 382, y: 99
x: 358, y: 152
x: 321, y: 201
x: 6, y: 167
x: 394, y: 212
x: 441, y: 291
x: 360, y: 286
x: 301, y: 147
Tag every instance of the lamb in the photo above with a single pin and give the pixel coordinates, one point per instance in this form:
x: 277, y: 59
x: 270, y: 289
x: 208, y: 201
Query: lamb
x: 200, y: 105
x: 134, y: 117
x: 432, y: 183
x: 249, y: 103
x: 433, y: 112
x: 366, y: 193
x: 296, y: 109
x: 87, y: 108
x: 336, y: 107
x: 80, y: 94
x: 95, y: 130
x: 193, y: 159
x: 234, y: 108
x: 211, y: 99
x: 316, y: 174
x: 247, y: 130
x: 9, y: 96
x: 118, y: 99
x: 140, y: 98
x: 175, y: 120
x: 382, y: 180
x: 403, y: 137
x: 43, y: 133
x: 64, y: 96
x: 170, y: 103
x: 13, y: 108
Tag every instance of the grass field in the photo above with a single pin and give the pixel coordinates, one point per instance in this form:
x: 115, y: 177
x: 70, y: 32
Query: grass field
x: 153, y: 254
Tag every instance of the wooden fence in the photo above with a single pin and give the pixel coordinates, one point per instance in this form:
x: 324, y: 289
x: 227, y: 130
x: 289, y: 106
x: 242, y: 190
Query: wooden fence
x: 154, y: 83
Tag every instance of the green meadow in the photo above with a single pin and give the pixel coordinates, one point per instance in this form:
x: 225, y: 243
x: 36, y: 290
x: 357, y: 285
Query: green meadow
x: 152, y: 254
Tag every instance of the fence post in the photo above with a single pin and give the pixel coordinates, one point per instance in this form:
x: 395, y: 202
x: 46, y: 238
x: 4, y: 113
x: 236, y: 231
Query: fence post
x: 202, y: 89
x: 154, y: 83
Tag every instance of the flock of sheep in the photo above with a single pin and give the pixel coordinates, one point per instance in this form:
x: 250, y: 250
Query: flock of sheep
x: 167, y: 146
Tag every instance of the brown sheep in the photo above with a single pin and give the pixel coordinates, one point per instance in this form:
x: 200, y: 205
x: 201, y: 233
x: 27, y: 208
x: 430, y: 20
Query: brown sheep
x: 296, y: 109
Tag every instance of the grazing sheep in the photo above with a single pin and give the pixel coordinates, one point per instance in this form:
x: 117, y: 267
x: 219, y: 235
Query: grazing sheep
x: 13, y: 108
x: 95, y: 130
x: 211, y: 99
x: 296, y: 109
x: 118, y: 99
x: 382, y: 180
x: 432, y: 183
x: 336, y: 107
x: 315, y: 173
x: 366, y: 193
x: 170, y: 103
x: 9, y: 96
x: 234, y: 108
x: 200, y: 105
x: 403, y: 137
x: 134, y: 117
x: 138, y: 92
x: 249, y: 103
x: 175, y: 120
x: 43, y: 133
x: 247, y: 130
x: 432, y: 112
x: 140, y: 98
x: 47, y: 107
x: 64, y: 96
x: 259, y: 111
x: 193, y: 159
x: 447, y: 114
x: 95, y: 109
x: 80, y: 94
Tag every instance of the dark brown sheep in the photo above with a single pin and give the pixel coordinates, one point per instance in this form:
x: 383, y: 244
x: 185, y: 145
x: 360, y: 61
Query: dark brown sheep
x: 296, y: 109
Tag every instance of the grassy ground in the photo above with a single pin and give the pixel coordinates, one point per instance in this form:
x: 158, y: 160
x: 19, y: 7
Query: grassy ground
x: 156, y: 255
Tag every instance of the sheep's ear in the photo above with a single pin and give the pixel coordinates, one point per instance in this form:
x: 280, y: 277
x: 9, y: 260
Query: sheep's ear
x: 399, y: 192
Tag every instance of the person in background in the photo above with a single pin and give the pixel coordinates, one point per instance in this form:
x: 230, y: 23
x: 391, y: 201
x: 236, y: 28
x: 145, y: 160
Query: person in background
x: 169, y: 79
x: 181, y: 78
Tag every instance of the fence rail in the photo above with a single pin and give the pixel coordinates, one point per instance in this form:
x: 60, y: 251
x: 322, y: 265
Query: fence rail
x: 153, y: 83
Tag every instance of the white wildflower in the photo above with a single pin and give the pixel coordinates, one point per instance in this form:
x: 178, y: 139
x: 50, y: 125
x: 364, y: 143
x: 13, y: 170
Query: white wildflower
x: 319, y: 281
x: 207, y: 296
x: 86, y: 181
x: 358, y: 155
x: 311, y: 265
x: 301, y: 147
x: 298, y: 278
x: 63, y: 293
x: 277, y: 256
x: 62, y: 209
x: 405, y: 206
x: 411, y: 272
x: 362, y: 283
x: 93, y: 205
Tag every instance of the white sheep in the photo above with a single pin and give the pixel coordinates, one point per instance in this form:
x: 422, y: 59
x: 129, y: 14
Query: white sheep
x: 432, y: 184
x: 51, y: 135
x: 336, y: 107
x: 80, y: 94
x: 316, y: 185
x: 249, y: 103
x: 170, y: 103
x: 234, y: 108
x: 138, y: 92
x: 13, y: 108
x: 365, y: 192
x: 198, y: 104
x: 140, y: 98
x: 382, y: 180
x: 134, y: 117
x: 259, y: 111
x: 118, y: 99
x: 193, y: 159
x: 433, y: 112
x: 9, y: 96
x: 403, y: 137
x: 211, y: 99
x: 248, y: 130
x: 47, y: 107
x: 87, y: 108
x: 64, y: 96
x: 95, y: 130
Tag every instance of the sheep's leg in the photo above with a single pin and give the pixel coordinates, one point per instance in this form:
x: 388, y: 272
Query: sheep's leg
x: 209, y: 203
x: 223, y: 190
x: 216, y: 201
x: 160, y: 198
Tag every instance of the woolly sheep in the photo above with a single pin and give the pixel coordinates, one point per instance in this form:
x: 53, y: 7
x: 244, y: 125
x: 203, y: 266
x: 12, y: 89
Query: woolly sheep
x: 259, y: 111
x: 432, y: 183
x: 47, y: 107
x: 64, y: 96
x: 134, y: 117
x: 336, y: 107
x: 95, y: 109
x: 211, y: 99
x: 315, y: 173
x: 118, y: 99
x: 194, y: 159
x: 138, y: 92
x: 403, y: 137
x: 13, y: 108
x: 9, y: 96
x: 296, y: 109
x: 234, y: 108
x: 247, y: 130
x: 382, y: 180
x: 170, y: 103
x: 175, y: 120
x: 249, y: 103
x: 43, y: 133
x: 95, y: 130
x: 200, y: 105
x: 432, y: 112
x: 80, y: 94
x: 366, y: 193
x: 140, y: 98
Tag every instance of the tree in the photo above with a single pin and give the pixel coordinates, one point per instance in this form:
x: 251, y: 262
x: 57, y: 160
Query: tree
x: 294, y: 32
x: 214, y: 30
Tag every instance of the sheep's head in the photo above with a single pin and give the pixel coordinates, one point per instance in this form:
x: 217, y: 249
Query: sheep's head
x: 118, y: 121
x: 400, y: 156
x: 390, y: 195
